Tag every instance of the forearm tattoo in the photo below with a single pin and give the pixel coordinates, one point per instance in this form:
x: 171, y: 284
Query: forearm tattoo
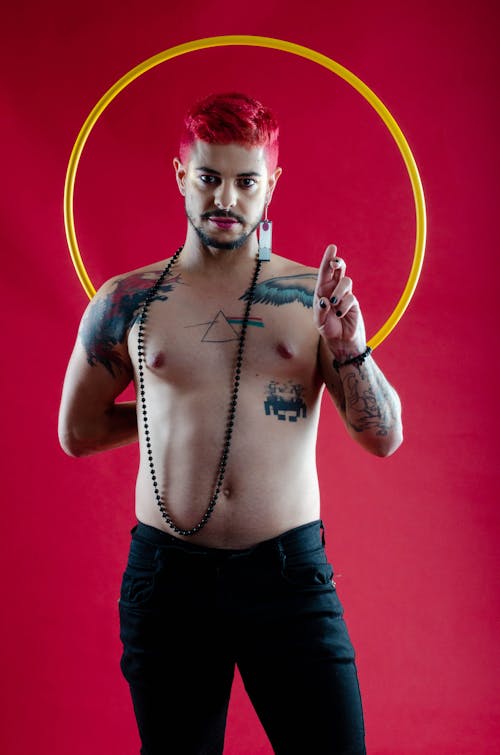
x: 109, y: 318
x: 369, y: 401
x: 285, y: 290
x: 285, y: 401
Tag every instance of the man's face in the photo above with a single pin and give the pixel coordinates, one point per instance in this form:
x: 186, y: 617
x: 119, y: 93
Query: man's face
x: 225, y: 187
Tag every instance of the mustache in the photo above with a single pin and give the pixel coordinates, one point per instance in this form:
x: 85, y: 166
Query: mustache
x: 222, y: 214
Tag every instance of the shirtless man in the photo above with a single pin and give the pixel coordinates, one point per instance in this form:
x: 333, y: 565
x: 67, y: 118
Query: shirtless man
x: 229, y: 356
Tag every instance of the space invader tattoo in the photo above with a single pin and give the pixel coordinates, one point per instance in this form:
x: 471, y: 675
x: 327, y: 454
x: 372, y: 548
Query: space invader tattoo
x: 285, y: 401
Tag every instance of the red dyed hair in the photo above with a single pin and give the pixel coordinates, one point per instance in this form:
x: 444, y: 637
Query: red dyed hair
x: 227, y: 118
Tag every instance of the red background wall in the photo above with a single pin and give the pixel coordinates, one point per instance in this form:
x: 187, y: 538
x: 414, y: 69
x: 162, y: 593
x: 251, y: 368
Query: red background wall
x: 413, y: 538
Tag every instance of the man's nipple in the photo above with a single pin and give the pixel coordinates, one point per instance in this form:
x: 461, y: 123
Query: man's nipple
x: 284, y: 351
x: 156, y: 360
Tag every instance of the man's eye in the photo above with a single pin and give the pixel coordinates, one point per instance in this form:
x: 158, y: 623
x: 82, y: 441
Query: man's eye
x: 247, y: 182
x: 207, y: 179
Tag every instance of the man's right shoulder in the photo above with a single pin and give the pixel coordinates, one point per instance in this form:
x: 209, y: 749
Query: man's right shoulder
x: 115, y: 308
x: 124, y: 284
x: 122, y: 295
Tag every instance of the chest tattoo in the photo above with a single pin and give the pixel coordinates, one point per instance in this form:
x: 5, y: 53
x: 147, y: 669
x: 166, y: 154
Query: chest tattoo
x: 285, y: 401
x: 285, y: 290
x: 223, y: 328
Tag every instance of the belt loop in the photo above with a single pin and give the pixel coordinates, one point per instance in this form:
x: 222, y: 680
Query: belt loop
x: 322, y: 526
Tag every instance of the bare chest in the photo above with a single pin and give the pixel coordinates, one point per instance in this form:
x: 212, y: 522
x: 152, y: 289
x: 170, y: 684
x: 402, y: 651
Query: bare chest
x: 191, y: 339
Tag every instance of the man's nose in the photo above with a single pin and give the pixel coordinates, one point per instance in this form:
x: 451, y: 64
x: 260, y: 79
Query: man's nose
x: 225, y: 196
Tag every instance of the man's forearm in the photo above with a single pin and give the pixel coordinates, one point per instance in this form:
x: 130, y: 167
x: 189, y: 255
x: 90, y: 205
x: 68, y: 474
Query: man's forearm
x: 116, y: 427
x: 372, y: 408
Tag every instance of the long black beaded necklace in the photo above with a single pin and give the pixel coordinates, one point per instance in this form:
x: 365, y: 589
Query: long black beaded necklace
x: 141, y: 354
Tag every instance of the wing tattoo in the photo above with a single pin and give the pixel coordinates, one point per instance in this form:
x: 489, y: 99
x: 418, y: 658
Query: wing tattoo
x: 285, y: 290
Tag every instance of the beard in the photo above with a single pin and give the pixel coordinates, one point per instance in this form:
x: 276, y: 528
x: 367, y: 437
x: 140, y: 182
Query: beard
x: 209, y: 241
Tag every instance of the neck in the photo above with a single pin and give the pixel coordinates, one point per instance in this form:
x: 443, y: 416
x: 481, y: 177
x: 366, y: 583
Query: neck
x: 196, y: 257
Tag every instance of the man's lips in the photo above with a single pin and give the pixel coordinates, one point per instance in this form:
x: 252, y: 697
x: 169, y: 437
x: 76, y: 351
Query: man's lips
x: 223, y: 222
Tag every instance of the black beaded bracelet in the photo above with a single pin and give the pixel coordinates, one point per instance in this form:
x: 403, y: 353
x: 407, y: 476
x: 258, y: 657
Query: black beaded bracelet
x: 357, y: 361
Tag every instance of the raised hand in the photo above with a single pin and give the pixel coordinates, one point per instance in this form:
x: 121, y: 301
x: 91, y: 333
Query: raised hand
x: 336, y: 310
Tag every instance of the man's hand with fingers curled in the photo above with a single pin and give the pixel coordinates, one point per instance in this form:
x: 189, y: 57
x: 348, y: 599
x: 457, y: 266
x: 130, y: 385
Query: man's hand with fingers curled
x: 336, y: 309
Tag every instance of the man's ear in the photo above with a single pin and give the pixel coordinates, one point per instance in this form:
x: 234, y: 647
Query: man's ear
x: 180, y: 175
x: 271, y: 184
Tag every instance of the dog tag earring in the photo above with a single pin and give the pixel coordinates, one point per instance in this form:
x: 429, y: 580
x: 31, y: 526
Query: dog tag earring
x: 265, y: 238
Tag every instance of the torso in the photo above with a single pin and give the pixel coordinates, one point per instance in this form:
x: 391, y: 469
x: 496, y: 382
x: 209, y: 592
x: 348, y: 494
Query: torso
x: 191, y: 338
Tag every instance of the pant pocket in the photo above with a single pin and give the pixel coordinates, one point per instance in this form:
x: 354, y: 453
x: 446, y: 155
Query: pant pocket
x: 313, y: 576
x: 139, y: 578
x: 136, y: 588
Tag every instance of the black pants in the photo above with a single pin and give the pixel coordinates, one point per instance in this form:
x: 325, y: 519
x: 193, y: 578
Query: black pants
x: 188, y: 614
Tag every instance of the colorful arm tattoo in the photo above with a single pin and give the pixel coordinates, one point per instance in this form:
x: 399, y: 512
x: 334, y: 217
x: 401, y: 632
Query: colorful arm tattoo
x: 109, y: 318
x: 284, y: 290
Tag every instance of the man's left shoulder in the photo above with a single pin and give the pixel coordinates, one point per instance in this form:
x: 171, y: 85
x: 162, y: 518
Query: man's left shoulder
x: 285, y: 281
x: 284, y: 266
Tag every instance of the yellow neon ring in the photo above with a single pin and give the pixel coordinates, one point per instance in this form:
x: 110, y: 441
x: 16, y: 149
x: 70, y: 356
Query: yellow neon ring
x: 274, y: 44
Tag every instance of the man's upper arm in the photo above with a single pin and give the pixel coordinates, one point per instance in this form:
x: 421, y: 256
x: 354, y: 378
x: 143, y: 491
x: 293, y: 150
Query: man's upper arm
x: 98, y: 371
